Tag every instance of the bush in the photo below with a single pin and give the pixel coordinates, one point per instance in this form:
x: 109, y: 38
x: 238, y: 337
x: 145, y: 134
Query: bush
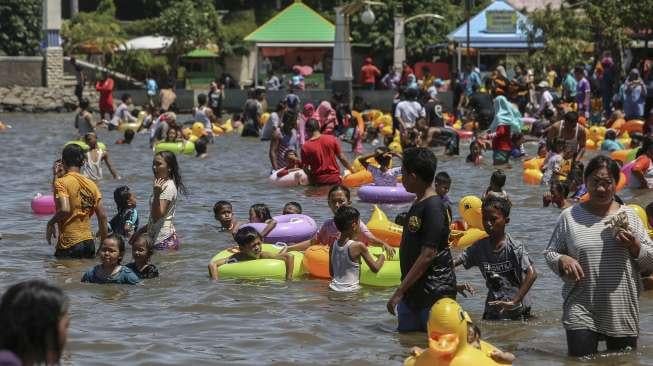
x: 139, y: 63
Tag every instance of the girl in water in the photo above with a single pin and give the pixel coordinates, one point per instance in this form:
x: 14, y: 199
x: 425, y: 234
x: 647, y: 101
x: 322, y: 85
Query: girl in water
x: 167, y: 184
x: 383, y: 175
x: 109, y: 270
x: 125, y: 222
x: 141, y: 253
x: 260, y: 213
x: 341, y: 196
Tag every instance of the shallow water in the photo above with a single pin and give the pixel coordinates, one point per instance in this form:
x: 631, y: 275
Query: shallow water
x: 184, y: 318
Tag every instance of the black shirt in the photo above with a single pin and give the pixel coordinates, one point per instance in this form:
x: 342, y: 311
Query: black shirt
x: 149, y: 271
x: 433, y: 109
x: 427, y: 225
x: 481, y: 102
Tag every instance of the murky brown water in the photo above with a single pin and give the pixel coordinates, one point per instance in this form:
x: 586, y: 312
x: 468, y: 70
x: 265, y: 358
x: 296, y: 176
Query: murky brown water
x: 184, y: 318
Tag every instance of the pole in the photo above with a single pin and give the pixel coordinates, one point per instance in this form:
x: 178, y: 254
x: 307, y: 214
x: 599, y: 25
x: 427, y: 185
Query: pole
x: 467, y: 11
x: 399, y: 42
x: 341, y: 74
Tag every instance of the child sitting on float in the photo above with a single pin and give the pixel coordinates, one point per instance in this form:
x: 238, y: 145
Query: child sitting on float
x: 383, y: 175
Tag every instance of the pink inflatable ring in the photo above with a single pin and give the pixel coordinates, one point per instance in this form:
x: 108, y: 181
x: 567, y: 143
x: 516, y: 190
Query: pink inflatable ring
x: 43, y: 205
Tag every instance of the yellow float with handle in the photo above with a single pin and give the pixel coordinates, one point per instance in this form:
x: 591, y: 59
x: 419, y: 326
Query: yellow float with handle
x: 217, y: 130
x: 134, y: 126
x: 470, y: 210
x: 535, y: 163
x: 85, y: 146
x: 258, y: 269
x: 264, y: 118
x: 447, y: 331
x: 532, y: 176
x: 383, y: 228
x: 197, y: 129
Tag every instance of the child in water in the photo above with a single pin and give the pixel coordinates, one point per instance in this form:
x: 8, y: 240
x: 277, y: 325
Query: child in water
x: 346, y: 252
x: 340, y: 196
x: 442, y: 186
x: 92, y: 168
x: 383, y: 175
x: 294, y: 164
x: 557, y: 195
x: 497, y: 182
x: 552, y: 168
x: 292, y: 208
x: 249, y: 248
x: 260, y: 213
x: 125, y: 222
x: 474, y: 156
x: 503, y: 262
x: 223, y: 213
x: 127, y: 139
x: 109, y: 270
x: 141, y: 252
x: 474, y: 339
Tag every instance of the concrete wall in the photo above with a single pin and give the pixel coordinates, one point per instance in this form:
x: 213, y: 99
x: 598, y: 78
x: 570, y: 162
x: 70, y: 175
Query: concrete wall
x: 21, y: 70
x: 185, y: 98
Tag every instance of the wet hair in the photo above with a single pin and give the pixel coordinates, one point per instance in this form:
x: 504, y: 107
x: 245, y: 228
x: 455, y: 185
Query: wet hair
x: 579, y: 69
x: 558, y: 146
x: 339, y: 188
x: 148, y: 243
x: 121, y: 245
x: 475, y: 329
x: 498, y: 202
x: 129, y: 136
x: 246, y: 235
x: 411, y: 93
x: 280, y: 106
x: 73, y: 155
x: 498, y: 178
x: 261, y: 211
x: 443, y: 178
x: 610, y: 135
x: 175, y: 173
x: 201, y: 145
x: 84, y: 103
x: 125, y: 97
x: 201, y: 99
x: 219, y: 205
x: 602, y: 161
x: 561, y: 187
x: 30, y: 313
x: 571, y: 117
x: 401, y: 218
x: 474, y: 143
x: 421, y: 162
x: 548, y: 114
x: 346, y: 216
x: 121, y: 196
x: 293, y: 204
x: 649, y: 210
x: 312, y: 125
x: 288, y: 152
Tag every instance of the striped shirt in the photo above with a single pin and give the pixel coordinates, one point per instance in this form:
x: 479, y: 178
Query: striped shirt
x: 605, y: 300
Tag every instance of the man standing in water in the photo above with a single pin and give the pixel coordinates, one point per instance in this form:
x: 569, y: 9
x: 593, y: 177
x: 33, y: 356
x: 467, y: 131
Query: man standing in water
x: 80, y: 78
x: 78, y: 198
x: 319, y: 155
x: 105, y: 87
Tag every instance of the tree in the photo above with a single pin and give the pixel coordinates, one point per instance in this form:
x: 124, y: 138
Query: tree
x: 20, y: 27
x: 95, y: 32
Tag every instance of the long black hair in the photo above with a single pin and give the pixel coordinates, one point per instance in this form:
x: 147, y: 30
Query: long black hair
x: 175, y: 171
x: 30, y: 312
x: 121, y: 196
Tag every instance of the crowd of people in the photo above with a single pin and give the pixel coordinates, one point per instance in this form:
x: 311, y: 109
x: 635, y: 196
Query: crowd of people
x: 600, y: 297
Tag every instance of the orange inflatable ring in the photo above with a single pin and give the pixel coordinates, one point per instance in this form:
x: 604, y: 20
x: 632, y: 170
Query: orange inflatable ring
x: 383, y: 228
x: 535, y: 163
x: 357, y: 179
x: 532, y: 176
x: 618, y: 124
x: 634, y: 125
x: 621, y: 155
x: 316, y: 261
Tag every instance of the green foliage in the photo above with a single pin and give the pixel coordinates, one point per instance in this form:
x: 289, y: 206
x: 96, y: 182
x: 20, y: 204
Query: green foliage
x: 141, y: 27
x: 96, y: 32
x: 106, y: 7
x: 236, y: 25
x: 20, y: 27
x: 139, y: 63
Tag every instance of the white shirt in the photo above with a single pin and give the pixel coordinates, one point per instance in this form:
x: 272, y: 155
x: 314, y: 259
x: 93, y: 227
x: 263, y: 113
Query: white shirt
x: 409, y: 111
x: 164, y: 227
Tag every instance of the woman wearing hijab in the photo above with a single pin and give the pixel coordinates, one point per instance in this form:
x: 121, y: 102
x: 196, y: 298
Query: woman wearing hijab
x: 303, y: 117
x: 507, y: 121
x: 634, y: 96
x: 326, y: 115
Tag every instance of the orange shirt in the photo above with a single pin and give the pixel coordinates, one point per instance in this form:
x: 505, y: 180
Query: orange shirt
x: 83, y: 197
x: 369, y: 73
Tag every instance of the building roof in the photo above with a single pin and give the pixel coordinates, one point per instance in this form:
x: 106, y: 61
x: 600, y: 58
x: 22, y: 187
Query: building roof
x: 295, y: 24
x: 146, y: 43
x: 531, y: 5
x: 481, y: 38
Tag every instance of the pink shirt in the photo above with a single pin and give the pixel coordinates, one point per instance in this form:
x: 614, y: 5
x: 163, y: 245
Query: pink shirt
x: 329, y: 233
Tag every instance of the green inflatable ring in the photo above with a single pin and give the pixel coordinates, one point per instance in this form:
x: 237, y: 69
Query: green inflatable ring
x: 388, y: 276
x: 187, y: 148
x: 84, y: 146
x: 258, y: 269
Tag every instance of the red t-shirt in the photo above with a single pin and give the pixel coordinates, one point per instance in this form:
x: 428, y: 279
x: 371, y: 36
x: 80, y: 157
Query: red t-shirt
x: 106, y: 89
x: 502, y: 140
x: 319, y: 156
x: 369, y: 73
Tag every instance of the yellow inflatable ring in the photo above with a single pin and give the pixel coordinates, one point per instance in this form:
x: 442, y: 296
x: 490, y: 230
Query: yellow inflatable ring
x: 258, y: 269
x: 535, y: 163
x: 532, y: 176
x: 383, y: 228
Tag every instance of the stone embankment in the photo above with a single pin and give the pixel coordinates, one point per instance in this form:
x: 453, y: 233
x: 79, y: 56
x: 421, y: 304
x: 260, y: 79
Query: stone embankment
x: 41, y: 99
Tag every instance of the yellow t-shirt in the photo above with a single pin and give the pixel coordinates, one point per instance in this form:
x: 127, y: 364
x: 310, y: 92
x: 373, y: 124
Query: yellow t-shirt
x: 83, y: 197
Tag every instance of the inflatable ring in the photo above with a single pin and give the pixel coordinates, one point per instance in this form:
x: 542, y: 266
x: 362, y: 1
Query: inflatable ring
x: 624, y: 156
x: 642, y: 216
x: 384, y: 229
x: 535, y: 163
x: 294, y: 178
x: 180, y: 147
x: 469, y: 208
x: 591, y: 145
x: 464, y: 239
x: 217, y: 130
x: 464, y: 134
x: 43, y: 204
x: 634, y: 125
x: 134, y: 126
x: 532, y: 176
x: 316, y: 263
x: 84, y: 146
x: 293, y: 228
x: 357, y: 179
x: 227, y: 126
x: 258, y: 269
x: 385, y: 194
x: 264, y: 119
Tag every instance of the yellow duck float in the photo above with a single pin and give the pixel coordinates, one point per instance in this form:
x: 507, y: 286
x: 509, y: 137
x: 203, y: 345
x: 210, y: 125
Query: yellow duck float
x: 447, y: 335
x: 383, y: 228
x: 469, y: 208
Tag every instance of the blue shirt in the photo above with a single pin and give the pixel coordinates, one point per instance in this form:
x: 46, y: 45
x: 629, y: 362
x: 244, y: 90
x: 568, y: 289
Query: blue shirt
x: 611, y: 145
x: 472, y: 79
x: 127, y: 217
x: 151, y: 87
x: 124, y: 276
